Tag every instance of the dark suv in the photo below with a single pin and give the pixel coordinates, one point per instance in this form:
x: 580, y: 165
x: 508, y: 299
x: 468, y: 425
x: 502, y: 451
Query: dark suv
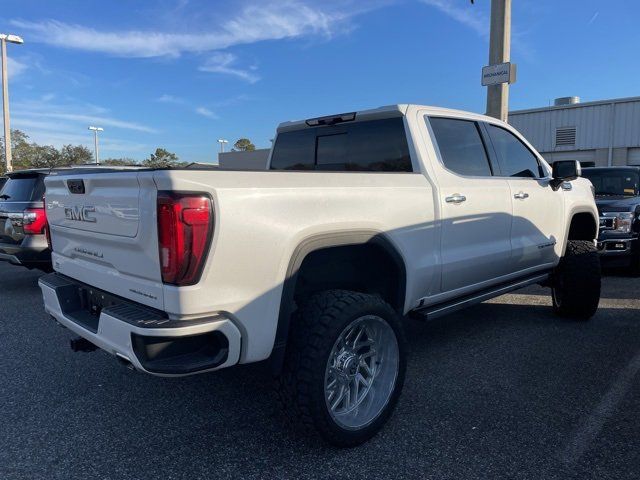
x: 23, y: 220
x: 617, y: 191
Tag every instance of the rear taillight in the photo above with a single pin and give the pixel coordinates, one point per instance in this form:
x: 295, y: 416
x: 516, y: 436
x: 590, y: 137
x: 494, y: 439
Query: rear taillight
x: 34, y: 221
x: 185, y: 227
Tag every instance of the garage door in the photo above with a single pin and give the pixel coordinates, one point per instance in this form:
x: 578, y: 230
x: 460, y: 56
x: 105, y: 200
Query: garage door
x: 633, y: 156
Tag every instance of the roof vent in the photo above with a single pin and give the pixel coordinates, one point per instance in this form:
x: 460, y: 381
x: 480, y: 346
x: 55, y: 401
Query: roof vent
x: 562, y: 101
x: 565, y: 136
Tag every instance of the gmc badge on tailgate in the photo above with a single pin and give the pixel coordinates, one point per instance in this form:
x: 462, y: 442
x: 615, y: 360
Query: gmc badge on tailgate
x: 80, y: 213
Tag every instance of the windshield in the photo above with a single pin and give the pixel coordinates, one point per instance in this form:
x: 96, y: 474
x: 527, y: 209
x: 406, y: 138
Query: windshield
x: 22, y: 189
x: 622, y: 183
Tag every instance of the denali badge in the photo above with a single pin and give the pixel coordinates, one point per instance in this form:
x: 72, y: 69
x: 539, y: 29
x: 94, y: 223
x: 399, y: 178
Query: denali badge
x: 80, y: 213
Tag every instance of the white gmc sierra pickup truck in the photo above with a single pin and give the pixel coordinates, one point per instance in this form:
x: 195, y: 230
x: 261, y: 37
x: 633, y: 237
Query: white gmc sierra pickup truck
x: 362, y: 219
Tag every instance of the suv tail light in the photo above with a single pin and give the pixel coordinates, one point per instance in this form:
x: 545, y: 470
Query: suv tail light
x: 185, y: 227
x: 34, y: 221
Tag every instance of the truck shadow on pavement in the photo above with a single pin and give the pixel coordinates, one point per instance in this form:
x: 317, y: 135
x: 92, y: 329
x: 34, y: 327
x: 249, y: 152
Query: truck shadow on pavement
x: 15, y: 278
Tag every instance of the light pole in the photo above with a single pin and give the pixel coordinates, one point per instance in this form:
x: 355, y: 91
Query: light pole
x: 4, y: 38
x: 499, y: 53
x: 95, y: 141
x: 222, y: 141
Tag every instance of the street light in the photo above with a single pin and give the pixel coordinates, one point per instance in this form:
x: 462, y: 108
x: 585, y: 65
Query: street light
x: 4, y: 38
x: 95, y: 141
x: 222, y: 141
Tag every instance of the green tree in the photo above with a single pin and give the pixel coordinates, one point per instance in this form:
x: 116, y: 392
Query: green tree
x: 43, y: 156
x: 161, y: 159
x: 75, y: 155
x: 119, y: 162
x: 243, y: 145
x: 27, y: 154
x: 22, y: 151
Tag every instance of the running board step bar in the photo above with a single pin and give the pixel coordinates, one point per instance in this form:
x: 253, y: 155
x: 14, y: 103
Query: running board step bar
x: 434, y: 311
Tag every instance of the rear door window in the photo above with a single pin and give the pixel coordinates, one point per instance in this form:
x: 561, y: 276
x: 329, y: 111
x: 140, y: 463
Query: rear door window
x: 22, y: 189
x: 368, y: 146
x: 461, y: 146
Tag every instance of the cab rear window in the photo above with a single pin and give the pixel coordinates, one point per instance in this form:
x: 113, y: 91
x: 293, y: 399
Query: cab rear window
x: 22, y: 189
x: 368, y: 146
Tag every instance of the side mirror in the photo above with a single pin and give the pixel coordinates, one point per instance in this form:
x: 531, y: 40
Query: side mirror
x: 564, y: 171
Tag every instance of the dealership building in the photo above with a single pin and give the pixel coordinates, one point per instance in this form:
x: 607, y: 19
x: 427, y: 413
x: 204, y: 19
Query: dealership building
x: 602, y: 133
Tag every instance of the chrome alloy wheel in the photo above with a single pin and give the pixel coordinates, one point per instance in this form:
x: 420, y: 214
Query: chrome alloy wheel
x: 361, y: 372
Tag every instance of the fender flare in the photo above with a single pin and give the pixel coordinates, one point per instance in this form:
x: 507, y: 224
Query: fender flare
x: 572, y: 214
x: 310, y: 245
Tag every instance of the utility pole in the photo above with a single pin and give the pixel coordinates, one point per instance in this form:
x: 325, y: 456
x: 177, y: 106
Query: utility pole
x: 499, y: 52
x: 4, y: 38
x: 95, y: 141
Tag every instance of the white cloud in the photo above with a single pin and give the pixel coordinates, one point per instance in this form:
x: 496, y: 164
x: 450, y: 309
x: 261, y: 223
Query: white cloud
x: 254, y: 23
x: 205, y: 112
x: 100, y: 120
x: 472, y: 17
x: 15, y: 68
x: 165, y: 98
x: 64, y: 133
x: 467, y: 15
x: 80, y: 113
x: 222, y: 62
x: 186, y: 104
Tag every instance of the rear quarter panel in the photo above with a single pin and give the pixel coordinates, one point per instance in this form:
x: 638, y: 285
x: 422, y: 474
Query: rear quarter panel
x: 260, y: 219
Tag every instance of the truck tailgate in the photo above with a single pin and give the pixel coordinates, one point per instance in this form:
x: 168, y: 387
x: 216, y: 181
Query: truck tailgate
x: 104, y: 232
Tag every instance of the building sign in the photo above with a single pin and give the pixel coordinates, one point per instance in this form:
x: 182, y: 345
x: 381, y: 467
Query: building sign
x: 496, y: 74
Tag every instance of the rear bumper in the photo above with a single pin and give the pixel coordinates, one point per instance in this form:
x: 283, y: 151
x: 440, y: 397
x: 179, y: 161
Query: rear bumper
x: 31, y: 252
x: 139, y: 336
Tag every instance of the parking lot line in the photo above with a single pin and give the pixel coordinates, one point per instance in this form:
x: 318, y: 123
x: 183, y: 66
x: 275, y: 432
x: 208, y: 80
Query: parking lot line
x: 589, y: 430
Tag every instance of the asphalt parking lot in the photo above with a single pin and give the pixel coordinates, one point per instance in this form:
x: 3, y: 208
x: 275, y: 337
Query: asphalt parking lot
x: 502, y: 390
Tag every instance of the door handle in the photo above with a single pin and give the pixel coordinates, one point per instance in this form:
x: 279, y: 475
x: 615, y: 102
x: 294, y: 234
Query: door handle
x: 521, y: 195
x: 456, y: 198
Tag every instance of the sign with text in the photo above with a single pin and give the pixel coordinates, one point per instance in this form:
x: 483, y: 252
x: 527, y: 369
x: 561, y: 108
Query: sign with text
x: 496, y: 74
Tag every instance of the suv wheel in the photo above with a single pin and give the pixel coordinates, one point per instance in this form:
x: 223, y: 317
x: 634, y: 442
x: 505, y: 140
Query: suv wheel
x: 344, y: 367
x: 576, y: 281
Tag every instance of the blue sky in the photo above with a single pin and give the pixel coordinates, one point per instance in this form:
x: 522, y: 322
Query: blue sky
x: 180, y: 74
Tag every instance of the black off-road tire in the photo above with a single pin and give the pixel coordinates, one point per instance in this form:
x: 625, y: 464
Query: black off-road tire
x: 301, y: 384
x: 576, y: 281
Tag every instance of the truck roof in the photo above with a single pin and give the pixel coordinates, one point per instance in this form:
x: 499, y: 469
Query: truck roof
x: 387, y: 111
